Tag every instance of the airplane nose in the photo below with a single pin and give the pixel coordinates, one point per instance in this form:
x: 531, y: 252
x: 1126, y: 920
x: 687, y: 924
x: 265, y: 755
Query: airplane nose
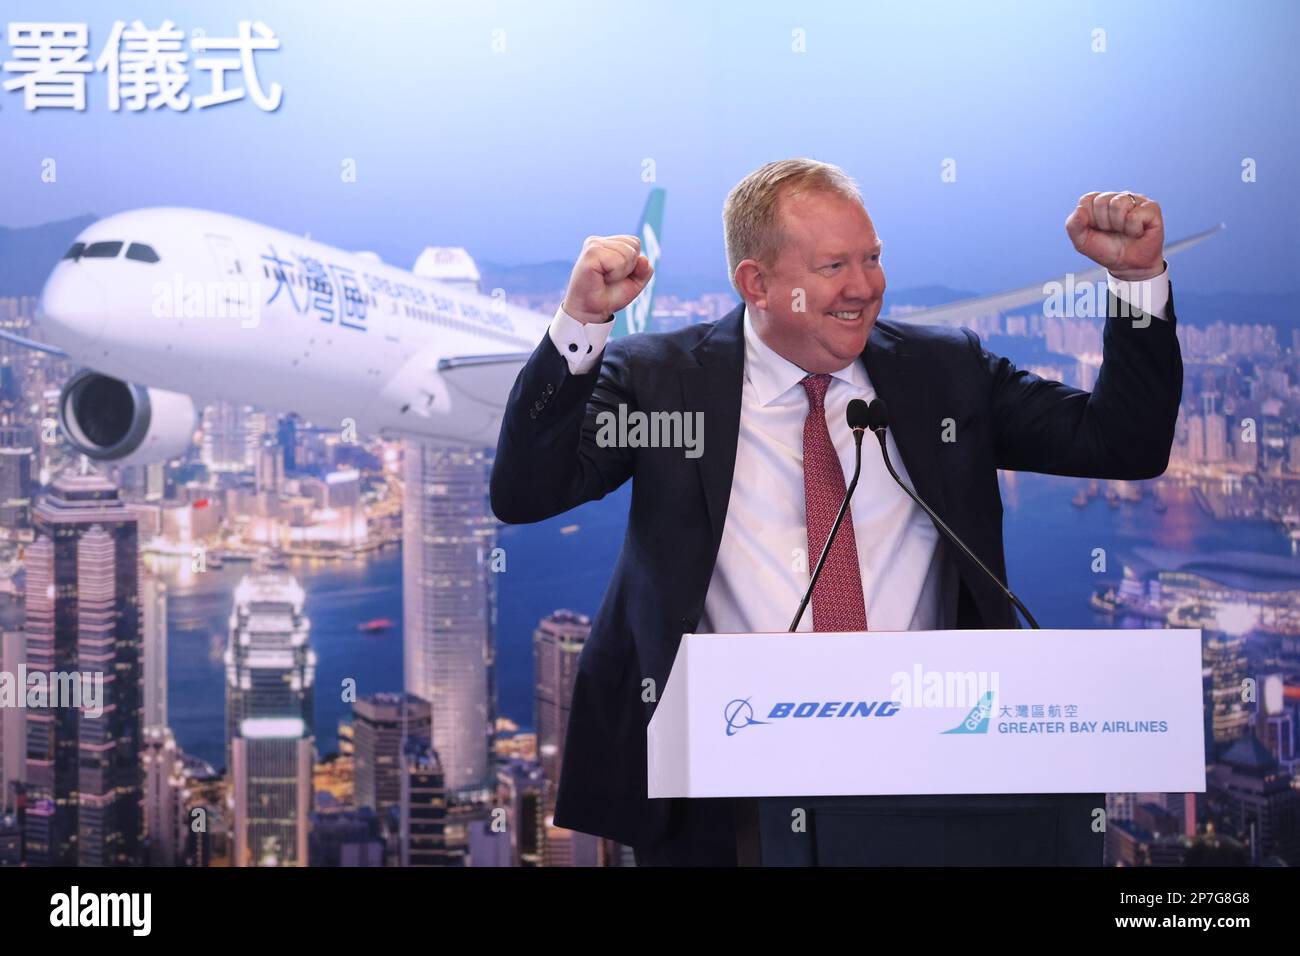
x: 73, y: 307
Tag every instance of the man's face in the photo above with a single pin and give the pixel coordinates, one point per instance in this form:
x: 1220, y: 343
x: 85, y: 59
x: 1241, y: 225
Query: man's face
x: 823, y: 293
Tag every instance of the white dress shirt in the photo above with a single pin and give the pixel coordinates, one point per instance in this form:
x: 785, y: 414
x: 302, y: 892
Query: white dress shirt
x: 763, y: 567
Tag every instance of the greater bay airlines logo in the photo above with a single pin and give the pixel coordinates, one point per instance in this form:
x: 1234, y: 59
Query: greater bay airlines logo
x: 977, y: 721
x: 739, y: 713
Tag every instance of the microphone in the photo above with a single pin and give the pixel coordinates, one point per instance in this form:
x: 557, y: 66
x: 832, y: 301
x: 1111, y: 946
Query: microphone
x: 877, y: 418
x: 859, y: 419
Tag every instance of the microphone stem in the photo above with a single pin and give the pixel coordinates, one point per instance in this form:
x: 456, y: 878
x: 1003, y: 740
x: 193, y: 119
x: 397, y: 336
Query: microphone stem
x: 826, y: 548
x: 949, y: 534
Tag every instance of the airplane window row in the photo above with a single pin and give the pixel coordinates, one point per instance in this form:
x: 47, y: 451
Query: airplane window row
x: 109, y: 249
x: 415, y: 312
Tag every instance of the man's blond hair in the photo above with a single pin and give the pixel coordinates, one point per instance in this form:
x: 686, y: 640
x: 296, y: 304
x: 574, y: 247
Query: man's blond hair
x: 751, y: 218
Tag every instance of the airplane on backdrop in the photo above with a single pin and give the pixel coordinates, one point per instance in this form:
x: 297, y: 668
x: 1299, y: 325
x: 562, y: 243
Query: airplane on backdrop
x: 169, y: 309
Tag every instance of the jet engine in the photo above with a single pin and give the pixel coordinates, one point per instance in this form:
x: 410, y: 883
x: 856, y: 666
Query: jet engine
x: 110, y: 420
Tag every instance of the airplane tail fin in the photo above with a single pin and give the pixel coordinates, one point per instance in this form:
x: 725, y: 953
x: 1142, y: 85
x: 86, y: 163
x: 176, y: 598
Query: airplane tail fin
x: 977, y: 721
x: 636, y: 317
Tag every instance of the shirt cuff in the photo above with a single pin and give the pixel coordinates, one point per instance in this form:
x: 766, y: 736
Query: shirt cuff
x: 1149, y: 295
x: 579, y: 343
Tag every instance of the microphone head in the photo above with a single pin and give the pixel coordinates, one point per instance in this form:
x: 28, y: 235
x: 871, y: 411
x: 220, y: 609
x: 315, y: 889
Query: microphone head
x: 877, y: 414
x: 858, y: 414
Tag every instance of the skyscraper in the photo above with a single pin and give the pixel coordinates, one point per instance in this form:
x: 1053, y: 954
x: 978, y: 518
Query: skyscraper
x: 381, y: 725
x: 11, y: 839
x: 424, y: 838
x: 268, y: 469
x: 449, y: 600
x: 85, y: 783
x: 346, y: 838
x: 557, y: 642
x: 1216, y: 438
x: 155, y: 481
x: 232, y: 434
x: 153, y: 613
x: 1254, y: 801
x: 270, y: 677
x: 164, y: 797
x: 17, y: 453
x: 286, y: 435
x: 1225, y: 656
x: 13, y: 722
x: 223, y: 439
x: 521, y: 788
x: 1195, y: 439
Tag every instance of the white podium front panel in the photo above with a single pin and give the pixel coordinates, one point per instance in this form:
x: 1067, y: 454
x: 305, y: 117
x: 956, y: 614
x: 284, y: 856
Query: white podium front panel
x: 931, y: 712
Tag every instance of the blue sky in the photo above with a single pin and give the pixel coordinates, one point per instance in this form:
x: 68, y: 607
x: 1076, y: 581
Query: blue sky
x: 519, y: 155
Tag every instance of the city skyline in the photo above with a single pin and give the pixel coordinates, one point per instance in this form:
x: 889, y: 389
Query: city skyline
x: 1197, y: 467
x: 317, y: 644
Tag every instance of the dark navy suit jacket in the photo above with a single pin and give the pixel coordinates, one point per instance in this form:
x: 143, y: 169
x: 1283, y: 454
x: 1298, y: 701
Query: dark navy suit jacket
x: 548, y: 461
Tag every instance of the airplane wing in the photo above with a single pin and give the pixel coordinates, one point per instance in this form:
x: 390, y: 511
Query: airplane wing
x: 956, y: 313
x: 31, y: 344
x: 483, y: 378
x: 473, y: 388
x: 487, y: 379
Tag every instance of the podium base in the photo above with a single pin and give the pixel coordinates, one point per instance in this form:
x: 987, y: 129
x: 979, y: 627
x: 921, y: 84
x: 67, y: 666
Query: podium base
x: 920, y: 830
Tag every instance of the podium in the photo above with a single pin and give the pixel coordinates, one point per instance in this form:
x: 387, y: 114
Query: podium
x: 971, y: 747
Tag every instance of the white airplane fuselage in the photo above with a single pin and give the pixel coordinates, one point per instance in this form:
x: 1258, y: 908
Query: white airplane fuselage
x: 235, y: 310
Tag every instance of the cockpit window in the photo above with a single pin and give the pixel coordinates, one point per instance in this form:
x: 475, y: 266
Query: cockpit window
x: 102, y: 250
x: 141, y: 253
x: 75, y: 251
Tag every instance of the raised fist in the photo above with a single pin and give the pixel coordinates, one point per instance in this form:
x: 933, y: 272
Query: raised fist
x: 610, y: 273
x: 1124, y: 232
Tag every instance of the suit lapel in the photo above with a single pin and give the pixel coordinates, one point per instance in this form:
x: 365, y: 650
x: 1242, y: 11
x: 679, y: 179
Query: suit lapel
x: 714, y: 386
x: 901, y: 380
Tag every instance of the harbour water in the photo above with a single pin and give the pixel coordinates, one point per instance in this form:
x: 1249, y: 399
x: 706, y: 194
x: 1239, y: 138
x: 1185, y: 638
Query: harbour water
x: 1049, y: 545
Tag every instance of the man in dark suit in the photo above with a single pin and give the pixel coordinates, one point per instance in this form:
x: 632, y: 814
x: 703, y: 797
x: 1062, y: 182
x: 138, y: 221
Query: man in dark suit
x: 717, y: 528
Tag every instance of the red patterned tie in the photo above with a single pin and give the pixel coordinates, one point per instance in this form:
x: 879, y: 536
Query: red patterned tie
x: 837, y: 602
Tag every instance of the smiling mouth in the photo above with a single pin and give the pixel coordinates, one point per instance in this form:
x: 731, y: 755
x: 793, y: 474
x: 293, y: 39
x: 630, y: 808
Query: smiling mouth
x: 846, y: 316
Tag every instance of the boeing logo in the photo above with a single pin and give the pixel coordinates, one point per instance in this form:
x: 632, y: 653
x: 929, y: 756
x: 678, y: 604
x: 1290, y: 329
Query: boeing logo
x: 740, y: 713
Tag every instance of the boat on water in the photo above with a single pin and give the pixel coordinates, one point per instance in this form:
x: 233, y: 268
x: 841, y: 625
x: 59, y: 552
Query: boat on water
x: 375, y: 625
x: 229, y: 554
x: 268, y: 560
